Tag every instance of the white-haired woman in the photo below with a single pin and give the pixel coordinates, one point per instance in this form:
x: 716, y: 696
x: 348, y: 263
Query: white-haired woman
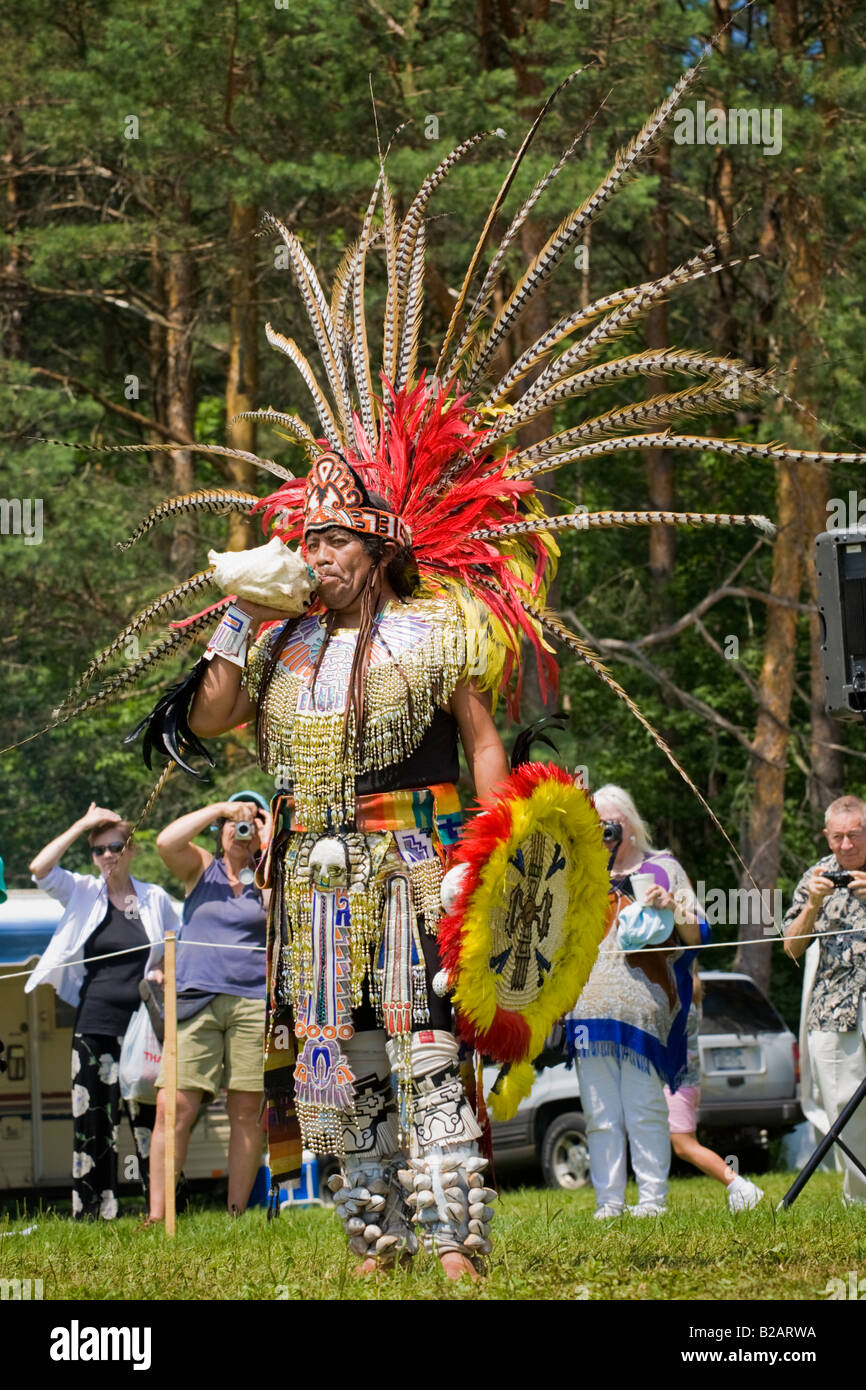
x: 628, y: 1028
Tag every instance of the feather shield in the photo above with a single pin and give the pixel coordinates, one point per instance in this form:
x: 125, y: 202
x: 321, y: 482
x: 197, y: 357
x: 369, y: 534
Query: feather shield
x: 523, y: 936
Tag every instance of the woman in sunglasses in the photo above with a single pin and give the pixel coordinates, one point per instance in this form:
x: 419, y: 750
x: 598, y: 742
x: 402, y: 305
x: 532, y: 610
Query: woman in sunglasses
x: 220, y: 992
x: 104, y: 915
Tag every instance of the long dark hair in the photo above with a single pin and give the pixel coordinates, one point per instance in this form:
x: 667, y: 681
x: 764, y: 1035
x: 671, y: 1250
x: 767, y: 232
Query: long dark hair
x: 402, y: 574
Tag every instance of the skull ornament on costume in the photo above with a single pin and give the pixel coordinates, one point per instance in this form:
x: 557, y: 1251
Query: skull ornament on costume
x: 329, y: 865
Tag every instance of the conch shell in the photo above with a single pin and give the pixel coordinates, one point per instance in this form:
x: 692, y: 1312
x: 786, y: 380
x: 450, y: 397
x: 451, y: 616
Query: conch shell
x: 272, y: 575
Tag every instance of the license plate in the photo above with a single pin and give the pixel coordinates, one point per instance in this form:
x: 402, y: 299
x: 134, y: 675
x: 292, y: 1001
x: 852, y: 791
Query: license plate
x: 729, y: 1058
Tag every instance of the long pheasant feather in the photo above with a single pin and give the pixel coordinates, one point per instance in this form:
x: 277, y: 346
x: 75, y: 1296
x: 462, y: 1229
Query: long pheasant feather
x: 154, y: 654
x: 544, y: 345
x: 167, y: 646
x: 623, y: 309
x: 614, y: 324
x: 652, y: 363
x: 318, y: 313
x: 731, y: 448
x: 148, y: 615
x: 299, y: 432
x: 218, y: 501
x: 391, y: 332
x: 611, y: 328
x: 491, y: 218
x: 414, y: 217
x: 574, y: 226
x: 410, y: 336
x: 591, y: 521
x: 482, y: 299
x: 289, y: 347
x: 162, y: 448
x: 360, y: 352
x: 341, y: 293
x: 702, y: 399
x: 739, y: 382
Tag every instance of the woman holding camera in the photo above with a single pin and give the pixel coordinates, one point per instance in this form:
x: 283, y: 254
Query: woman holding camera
x: 220, y: 988
x: 628, y: 1028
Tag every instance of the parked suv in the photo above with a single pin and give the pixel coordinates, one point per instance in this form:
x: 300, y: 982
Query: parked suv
x: 749, y: 1089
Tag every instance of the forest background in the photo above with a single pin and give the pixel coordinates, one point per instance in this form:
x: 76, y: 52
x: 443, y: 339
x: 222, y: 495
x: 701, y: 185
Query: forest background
x: 140, y: 145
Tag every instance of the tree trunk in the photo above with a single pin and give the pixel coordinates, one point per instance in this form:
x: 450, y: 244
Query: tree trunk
x: 770, y: 744
x: 180, y: 393
x: 13, y: 298
x: 826, y: 763
x: 721, y: 203
x: 242, y: 383
x: 488, y: 37
x: 157, y: 354
x: 801, y: 498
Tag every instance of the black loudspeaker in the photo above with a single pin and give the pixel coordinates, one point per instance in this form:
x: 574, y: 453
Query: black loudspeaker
x: 840, y: 559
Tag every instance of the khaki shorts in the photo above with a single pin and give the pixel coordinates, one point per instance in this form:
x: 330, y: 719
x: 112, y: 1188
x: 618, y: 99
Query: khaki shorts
x: 221, y: 1046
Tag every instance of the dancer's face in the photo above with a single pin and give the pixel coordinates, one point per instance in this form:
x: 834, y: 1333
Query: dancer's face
x: 341, y: 564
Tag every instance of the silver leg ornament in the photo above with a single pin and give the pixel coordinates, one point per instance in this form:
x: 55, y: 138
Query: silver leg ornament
x: 444, y: 1179
x: 367, y: 1194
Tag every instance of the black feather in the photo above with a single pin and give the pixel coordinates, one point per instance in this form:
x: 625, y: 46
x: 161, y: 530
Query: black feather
x: 535, y: 733
x: 166, y: 729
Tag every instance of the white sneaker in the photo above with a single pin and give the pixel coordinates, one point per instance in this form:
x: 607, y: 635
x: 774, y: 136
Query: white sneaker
x: 743, y: 1195
x: 648, y: 1209
x: 608, y: 1210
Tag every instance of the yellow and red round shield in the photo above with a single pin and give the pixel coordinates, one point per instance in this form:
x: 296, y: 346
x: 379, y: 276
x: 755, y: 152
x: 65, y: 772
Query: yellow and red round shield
x: 520, y: 942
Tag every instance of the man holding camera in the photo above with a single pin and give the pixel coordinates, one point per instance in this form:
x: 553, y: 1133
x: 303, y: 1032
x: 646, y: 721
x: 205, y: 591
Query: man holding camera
x: 829, y: 906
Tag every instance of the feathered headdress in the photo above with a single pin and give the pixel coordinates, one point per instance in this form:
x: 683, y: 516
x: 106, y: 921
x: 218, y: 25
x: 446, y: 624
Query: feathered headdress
x: 442, y: 447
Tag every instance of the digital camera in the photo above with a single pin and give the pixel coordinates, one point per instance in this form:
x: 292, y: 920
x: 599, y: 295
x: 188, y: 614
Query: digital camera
x: 612, y: 833
x: 840, y: 878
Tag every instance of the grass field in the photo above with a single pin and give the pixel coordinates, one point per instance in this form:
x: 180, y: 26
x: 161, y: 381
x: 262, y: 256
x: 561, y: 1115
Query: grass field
x: 547, y: 1246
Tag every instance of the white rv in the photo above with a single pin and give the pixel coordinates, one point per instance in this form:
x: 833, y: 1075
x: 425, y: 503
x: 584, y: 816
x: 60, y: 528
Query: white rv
x: 35, y: 1100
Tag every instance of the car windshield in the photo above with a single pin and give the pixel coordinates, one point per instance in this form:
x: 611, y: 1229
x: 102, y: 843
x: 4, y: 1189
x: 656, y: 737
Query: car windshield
x: 737, y: 1006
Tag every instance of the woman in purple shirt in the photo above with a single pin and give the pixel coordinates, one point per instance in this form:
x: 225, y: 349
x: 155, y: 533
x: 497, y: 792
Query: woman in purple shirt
x: 220, y: 992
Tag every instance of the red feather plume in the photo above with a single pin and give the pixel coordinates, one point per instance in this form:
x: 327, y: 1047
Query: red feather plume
x: 432, y: 468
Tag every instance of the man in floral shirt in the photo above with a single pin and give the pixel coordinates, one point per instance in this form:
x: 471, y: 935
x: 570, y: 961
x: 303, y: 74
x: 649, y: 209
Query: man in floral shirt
x: 836, y: 1018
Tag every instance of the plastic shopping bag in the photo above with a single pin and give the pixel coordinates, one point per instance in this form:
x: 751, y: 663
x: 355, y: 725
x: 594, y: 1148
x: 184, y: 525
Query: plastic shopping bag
x: 140, y: 1058
x: 640, y: 926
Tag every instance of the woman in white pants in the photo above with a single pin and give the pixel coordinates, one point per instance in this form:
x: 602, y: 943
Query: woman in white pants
x: 628, y: 1027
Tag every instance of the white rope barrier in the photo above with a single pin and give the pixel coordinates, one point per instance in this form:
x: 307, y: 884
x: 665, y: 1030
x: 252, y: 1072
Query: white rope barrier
x: 128, y: 950
x: 65, y: 964
x: 227, y: 946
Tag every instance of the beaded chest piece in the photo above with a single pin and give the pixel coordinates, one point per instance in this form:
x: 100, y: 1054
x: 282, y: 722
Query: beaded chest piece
x: 418, y: 654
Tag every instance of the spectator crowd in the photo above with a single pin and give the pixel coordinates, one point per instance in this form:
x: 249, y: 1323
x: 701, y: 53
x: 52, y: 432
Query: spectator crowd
x: 633, y: 1032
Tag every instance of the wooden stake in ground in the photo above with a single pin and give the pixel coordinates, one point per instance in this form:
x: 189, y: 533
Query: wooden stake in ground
x: 169, y: 1065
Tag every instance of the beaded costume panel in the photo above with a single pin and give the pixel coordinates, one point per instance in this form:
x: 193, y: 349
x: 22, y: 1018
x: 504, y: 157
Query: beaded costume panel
x: 356, y: 881
x: 418, y: 655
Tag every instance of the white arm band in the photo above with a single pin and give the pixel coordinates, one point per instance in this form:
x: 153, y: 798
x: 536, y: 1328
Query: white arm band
x: 230, y: 638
